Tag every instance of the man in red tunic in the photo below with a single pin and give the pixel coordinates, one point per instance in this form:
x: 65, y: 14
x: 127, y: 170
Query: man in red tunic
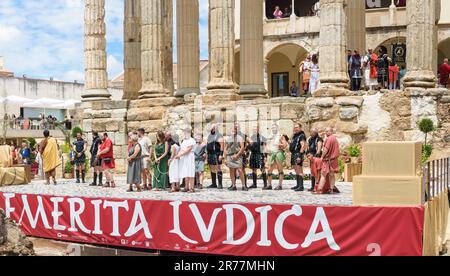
x: 316, y: 169
x: 444, y: 73
x: 330, y: 163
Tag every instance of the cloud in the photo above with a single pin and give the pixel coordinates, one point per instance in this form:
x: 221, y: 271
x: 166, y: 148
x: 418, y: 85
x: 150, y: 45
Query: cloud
x: 44, y: 38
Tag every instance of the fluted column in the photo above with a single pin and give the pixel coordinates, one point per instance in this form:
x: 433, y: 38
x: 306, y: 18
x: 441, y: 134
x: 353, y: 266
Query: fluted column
x: 96, y: 76
x: 168, y: 47
x: 333, y: 39
x: 221, y: 47
x: 421, y: 40
x: 356, y: 25
x: 152, y: 50
x: 132, y: 49
x: 252, y: 50
x: 188, y: 48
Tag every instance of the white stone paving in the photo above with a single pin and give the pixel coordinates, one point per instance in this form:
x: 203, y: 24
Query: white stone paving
x: 69, y: 188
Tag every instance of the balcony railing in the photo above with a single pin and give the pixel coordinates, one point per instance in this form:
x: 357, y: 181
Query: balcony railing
x: 436, y: 178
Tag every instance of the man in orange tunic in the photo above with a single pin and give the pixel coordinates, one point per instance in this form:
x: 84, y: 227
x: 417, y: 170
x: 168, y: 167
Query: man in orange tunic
x: 330, y: 163
x: 316, y: 169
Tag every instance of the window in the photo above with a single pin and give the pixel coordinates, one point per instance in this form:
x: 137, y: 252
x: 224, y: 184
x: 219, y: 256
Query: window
x: 280, y: 84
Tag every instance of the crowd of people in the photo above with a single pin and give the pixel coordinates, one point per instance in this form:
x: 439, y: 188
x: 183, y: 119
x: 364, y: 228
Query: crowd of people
x: 43, y: 122
x: 178, y: 165
x: 279, y: 13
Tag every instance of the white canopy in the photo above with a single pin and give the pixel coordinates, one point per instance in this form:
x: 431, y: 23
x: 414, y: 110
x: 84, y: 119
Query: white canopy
x: 66, y: 104
x: 43, y: 103
x: 15, y: 100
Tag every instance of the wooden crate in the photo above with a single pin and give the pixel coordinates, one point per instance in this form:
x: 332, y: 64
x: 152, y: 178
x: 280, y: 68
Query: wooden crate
x: 352, y: 170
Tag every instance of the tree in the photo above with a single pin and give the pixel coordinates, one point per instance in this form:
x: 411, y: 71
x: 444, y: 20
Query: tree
x: 426, y: 126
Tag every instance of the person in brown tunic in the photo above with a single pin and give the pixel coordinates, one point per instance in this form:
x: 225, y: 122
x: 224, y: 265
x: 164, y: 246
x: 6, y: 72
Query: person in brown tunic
x: 330, y: 163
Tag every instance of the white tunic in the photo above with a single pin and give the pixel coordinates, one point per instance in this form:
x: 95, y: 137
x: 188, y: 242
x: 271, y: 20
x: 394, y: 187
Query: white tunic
x: 174, y: 168
x: 187, y: 162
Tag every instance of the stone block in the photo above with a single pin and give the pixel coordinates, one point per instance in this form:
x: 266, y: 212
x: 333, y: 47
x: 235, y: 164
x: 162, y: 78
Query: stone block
x: 149, y: 126
x: 348, y: 113
x: 87, y: 125
x: 445, y: 99
x: 247, y: 113
x: 121, y: 138
x: 168, y: 101
x: 119, y: 114
x: 112, y: 125
x: 350, y: 101
x: 269, y: 112
x: 351, y: 128
x: 321, y: 102
x: 286, y: 127
x: 102, y: 114
x: 99, y: 125
x: 292, y: 111
x: 314, y: 113
x: 331, y: 92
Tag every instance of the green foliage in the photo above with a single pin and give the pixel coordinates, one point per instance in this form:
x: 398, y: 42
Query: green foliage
x: 68, y: 167
x: 354, y: 151
x: 31, y: 142
x: 86, y: 165
x: 341, y: 165
x: 427, y: 150
x: 426, y: 126
x: 65, y: 148
x: 76, y: 130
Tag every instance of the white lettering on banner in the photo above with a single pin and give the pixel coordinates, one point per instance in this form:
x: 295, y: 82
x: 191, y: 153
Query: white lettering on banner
x: 206, y: 232
x: 295, y: 211
x: 75, y: 218
x: 115, y: 211
x: 176, y: 223
x: 138, y: 214
x: 373, y: 4
x: 313, y: 236
x: 8, y: 209
x: 264, y: 211
x: 40, y: 212
x: 56, y: 214
x: 250, y: 223
x: 97, y: 226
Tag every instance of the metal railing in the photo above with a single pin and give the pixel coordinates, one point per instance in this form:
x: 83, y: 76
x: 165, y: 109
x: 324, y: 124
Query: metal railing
x: 436, y: 178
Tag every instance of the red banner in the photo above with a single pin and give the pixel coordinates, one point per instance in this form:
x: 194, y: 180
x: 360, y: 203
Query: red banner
x: 221, y: 228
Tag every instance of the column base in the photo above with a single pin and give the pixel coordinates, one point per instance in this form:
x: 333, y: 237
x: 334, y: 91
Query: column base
x: 181, y: 92
x: 151, y: 91
x: 219, y: 96
x: 93, y: 95
x: 250, y: 92
x: 331, y: 92
x: 420, y: 79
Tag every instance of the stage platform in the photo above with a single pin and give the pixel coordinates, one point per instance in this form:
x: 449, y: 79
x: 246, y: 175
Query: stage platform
x: 218, y: 222
x: 287, y: 196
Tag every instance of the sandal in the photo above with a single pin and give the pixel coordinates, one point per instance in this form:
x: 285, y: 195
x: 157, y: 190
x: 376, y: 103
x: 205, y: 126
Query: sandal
x: 191, y: 191
x: 279, y: 188
x: 106, y: 185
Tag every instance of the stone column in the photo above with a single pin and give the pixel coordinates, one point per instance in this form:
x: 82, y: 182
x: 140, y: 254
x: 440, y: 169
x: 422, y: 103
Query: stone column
x: 356, y: 25
x: 221, y: 48
x: 252, y: 50
x: 421, y: 41
x: 168, y: 47
x: 152, y: 49
x: 188, y: 48
x: 333, y: 39
x: 96, y: 76
x: 132, y: 50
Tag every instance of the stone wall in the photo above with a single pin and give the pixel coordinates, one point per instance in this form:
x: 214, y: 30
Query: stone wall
x: 370, y: 116
x: 12, y: 241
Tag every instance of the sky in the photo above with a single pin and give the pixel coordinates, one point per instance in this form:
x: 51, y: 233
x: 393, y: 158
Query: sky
x: 44, y: 38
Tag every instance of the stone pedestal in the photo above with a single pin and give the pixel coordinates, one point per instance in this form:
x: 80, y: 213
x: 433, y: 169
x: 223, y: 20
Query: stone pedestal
x: 421, y: 40
x: 221, y: 48
x: 188, y: 50
x: 391, y: 175
x: 96, y: 77
x: 132, y: 50
x: 252, y: 52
